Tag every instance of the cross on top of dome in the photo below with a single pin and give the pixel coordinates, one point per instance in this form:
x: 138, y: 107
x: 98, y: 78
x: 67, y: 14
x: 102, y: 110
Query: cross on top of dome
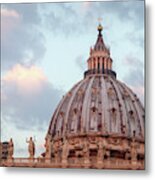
x: 100, y: 28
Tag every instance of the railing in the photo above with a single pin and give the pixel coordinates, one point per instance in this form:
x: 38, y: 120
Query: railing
x: 106, y: 164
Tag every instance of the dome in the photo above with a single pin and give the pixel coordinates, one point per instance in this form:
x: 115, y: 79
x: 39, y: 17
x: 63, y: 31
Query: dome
x: 99, y: 104
x: 99, y: 123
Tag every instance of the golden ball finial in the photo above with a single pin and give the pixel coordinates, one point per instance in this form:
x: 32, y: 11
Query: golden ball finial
x: 100, y: 28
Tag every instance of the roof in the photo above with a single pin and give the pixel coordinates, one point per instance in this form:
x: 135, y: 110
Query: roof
x: 99, y: 104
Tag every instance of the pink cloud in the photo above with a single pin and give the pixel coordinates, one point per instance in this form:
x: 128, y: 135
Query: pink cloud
x: 9, y: 13
x: 27, y: 80
x: 86, y: 4
x: 10, y: 20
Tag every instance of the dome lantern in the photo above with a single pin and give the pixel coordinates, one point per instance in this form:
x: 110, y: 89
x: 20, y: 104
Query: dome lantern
x: 100, y: 61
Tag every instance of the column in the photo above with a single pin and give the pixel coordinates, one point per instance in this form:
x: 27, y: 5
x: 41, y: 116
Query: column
x: 48, y: 146
x: 65, y: 153
x: 100, y: 154
x: 100, y: 64
x: 108, y: 63
x: 88, y: 64
x: 105, y: 63
x: 96, y: 60
x: 91, y: 63
x: 86, y: 153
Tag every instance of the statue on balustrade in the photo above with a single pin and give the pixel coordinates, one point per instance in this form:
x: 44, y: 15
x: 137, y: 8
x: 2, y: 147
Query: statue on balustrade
x: 11, y: 149
x: 31, y: 148
x: 48, y: 145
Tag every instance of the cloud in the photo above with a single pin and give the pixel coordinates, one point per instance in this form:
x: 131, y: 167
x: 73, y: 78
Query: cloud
x: 9, y: 13
x: 60, y: 17
x: 28, y: 80
x: 19, y: 137
x: 28, y: 99
x: 9, y: 21
x: 81, y: 63
x: 22, y: 42
x: 135, y: 75
x: 65, y: 17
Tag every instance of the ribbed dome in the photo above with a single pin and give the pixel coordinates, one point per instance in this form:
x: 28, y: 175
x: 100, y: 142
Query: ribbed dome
x: 99, y: 104
x: 99, y: 123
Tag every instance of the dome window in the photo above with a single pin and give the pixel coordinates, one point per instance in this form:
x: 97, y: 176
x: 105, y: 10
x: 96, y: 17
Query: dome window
x: 131, y: 113
x: 94, y: 109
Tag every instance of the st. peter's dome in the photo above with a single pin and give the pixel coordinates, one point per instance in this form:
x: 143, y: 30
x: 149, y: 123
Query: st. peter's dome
x: 100, y: 121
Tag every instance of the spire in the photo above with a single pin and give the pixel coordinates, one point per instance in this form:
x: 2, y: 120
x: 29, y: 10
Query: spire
x: 100, y: 61
x: 100, y: 46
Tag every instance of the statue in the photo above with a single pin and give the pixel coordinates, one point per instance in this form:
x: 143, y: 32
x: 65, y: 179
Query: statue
x: 48, y: 148
x: 31, y: 148
x: 11, y: 149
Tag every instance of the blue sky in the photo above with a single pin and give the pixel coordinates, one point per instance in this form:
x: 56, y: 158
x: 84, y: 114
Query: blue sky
x: 44, y: 52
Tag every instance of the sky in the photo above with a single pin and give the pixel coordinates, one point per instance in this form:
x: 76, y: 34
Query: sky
x: 44, y: 52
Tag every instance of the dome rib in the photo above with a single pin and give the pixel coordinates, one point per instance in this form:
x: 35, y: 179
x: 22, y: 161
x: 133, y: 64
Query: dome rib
x: 124, y: 115
x: 85, y: 105
x: 52, y: 127
x: 105, y: 116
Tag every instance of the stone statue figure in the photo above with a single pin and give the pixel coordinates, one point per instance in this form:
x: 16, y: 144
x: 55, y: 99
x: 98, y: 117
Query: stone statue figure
x: 31, y: 148
x: 48, y: 147
x: 11, y: 149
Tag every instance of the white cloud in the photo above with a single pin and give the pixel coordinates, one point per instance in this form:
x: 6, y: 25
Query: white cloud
x: 134, y: 77
x: 28, y: 80
x: 22, y: 42
x: 28, y: 99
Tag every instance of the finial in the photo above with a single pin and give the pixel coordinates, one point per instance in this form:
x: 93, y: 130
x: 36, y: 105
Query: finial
x: 100, y: 28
